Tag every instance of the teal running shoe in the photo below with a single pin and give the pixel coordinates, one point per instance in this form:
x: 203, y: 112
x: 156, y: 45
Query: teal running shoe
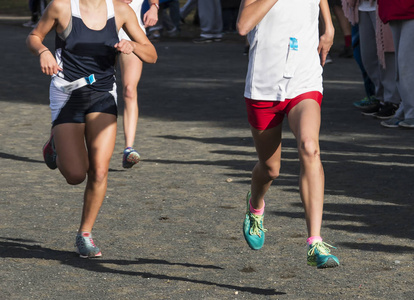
x: 130, y: 158
x: 85, y: 246
x: 319, y: 255
x: 253, y: 230
x: 366, y: 103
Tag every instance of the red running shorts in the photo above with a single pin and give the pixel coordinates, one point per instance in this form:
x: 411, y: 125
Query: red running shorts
x: 264, y: 115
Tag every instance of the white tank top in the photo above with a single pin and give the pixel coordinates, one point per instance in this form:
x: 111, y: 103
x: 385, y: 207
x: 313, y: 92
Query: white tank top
x: 283, y: 58
x: 136, y: 6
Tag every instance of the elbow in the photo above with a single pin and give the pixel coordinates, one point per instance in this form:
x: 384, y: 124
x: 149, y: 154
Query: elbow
x: 154, y: 59
x: 154, y: 56
x: 149, y: 59
x: 28, y: 41
x: 242, y: 30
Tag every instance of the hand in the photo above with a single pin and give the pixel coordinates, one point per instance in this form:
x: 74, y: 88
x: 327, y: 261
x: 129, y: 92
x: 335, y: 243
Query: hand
x: 151, y: 16
x: 125, y: 47
x: 48, y: 63
x: 325, y: 44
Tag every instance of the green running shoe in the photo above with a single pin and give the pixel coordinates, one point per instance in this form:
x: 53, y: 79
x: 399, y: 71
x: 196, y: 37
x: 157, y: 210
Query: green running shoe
x: 85, y: 246
x: 319, y: 255
x: 253, y: 230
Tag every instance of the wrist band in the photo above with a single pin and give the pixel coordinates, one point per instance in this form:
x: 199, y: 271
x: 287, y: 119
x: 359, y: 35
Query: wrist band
x: 156, y: 5
x: 43, y: 51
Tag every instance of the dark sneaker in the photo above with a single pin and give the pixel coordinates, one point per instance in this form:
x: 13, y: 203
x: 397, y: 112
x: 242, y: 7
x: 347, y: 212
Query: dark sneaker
x: 130, y: 158
x: 31, y: 24
x: 49, y: 153
x: 253, y: 230
x: 371, y: 110
x: 319, y: 256
x: 386, y: 111
x: 246, y: 50
x: 328, y: 59
x: 391, y: 123
x: 348, y: 52
x: 85, y: 246
x: 202, y: 40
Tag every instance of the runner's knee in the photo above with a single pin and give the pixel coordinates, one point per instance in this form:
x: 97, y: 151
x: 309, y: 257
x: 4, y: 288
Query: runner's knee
x: 130, y: 92
x: 75, y: 178
x: 308, y: 150
x: 98, y: 174
x: 271, y: 170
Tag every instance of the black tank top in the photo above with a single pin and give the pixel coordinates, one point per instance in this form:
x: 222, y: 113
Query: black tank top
x: 81, y: 51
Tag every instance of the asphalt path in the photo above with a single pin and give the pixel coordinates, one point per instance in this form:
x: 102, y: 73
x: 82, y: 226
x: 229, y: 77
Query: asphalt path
x: 171, y: 227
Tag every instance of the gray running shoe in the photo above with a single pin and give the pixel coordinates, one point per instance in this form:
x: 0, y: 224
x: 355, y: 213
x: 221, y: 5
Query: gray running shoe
x: 391, y: 123
x: 85, y: 246
x: 407, y: 123
x: 130, y: 158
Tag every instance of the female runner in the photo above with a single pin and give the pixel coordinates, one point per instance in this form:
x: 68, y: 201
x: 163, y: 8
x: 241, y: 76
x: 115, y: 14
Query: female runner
x: 83, y: 97
x: 285, y: 78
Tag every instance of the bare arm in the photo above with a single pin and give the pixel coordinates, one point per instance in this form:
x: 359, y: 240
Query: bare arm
x: 251, y: 13
x: 151, y: 16
x: 326, y: 39
x: 140, y: 45
x: 50, y: 20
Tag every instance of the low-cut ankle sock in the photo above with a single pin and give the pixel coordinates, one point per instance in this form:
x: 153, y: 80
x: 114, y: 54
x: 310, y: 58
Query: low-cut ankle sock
x: 255, y: 211
x: 313, y: 239
x: 85, y: 233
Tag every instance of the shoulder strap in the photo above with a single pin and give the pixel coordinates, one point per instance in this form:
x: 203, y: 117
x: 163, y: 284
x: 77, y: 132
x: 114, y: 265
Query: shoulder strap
x: 110, y: 8
x: 74, y: 6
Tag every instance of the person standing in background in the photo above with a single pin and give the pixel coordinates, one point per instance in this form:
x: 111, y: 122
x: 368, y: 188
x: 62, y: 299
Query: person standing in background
x: 378, y: 58
x: 400, y: 15
x: 345, y: 26
x: 211, y: 22
x: 37, y: 7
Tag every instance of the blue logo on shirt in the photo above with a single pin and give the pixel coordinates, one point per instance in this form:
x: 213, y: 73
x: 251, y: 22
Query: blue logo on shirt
x: 293, y: 44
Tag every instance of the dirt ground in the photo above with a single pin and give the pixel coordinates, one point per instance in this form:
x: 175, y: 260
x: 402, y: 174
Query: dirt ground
x: 171, y: 228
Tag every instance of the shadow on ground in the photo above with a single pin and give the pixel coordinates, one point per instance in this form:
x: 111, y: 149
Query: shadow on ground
x: 27, y: 249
